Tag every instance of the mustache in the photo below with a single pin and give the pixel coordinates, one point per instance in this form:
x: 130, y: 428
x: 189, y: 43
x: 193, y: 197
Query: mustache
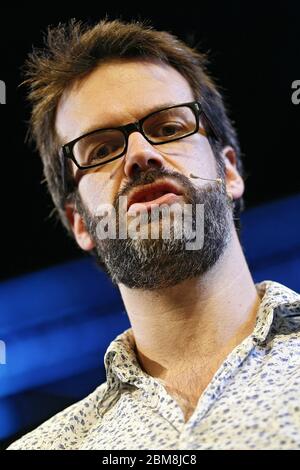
x: 150, y: 176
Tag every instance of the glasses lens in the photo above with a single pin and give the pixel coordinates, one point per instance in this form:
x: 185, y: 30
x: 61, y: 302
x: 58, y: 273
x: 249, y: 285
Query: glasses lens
x: 170, y: 124
x: 99, y: 147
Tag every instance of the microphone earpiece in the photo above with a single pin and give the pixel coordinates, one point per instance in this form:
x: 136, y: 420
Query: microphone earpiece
x: 218, y: 180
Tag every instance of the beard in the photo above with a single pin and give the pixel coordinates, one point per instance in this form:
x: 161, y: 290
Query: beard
x: 149, y: 263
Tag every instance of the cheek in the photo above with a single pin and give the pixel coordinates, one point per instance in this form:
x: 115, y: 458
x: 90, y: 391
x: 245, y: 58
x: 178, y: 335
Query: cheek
x: 94, y: 191
x: 100, y: 187
x: 191, y: 158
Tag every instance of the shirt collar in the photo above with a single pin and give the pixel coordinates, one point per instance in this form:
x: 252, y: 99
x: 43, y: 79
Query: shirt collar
x: 277, y: 301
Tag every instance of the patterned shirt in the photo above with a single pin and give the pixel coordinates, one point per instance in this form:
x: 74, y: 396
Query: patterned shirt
x: 252, y: 401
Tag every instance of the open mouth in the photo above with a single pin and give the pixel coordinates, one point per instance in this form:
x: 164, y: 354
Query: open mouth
x: 162, y: 192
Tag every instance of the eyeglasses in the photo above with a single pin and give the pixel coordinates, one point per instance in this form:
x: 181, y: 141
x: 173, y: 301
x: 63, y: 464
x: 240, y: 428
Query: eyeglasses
x: 161, y: 127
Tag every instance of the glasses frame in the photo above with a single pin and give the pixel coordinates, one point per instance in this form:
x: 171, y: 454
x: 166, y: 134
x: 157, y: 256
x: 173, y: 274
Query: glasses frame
x: 66, y: 150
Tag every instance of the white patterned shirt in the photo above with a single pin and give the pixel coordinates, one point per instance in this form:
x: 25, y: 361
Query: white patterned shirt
x: 252, y: 401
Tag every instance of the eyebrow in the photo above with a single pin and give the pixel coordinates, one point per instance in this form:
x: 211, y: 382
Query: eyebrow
x: 151, y: 110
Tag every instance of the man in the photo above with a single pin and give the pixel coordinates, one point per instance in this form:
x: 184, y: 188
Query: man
x: 211, y: 360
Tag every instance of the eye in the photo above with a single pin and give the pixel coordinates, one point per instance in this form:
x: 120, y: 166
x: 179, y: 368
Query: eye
x: 99, y: 152
x: 168, y: 129
x: 103, y: 151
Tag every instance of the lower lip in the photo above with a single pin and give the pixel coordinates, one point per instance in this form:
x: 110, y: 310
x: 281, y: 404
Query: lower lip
x: 168, y: 198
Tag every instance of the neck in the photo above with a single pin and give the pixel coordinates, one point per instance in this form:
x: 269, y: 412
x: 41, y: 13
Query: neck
x: 196, y: 322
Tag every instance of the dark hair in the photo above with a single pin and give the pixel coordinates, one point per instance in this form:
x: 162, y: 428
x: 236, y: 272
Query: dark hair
x: 74, y: 50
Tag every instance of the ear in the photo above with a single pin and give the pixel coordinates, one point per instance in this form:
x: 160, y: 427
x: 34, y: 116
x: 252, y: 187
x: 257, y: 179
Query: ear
x: 234, y: 182
x: 81, y: 234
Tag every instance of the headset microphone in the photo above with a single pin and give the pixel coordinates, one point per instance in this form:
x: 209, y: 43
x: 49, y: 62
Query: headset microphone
x: 218, y: 180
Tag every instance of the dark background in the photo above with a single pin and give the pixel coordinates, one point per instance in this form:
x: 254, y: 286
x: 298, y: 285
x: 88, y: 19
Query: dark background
x: 255, y: 56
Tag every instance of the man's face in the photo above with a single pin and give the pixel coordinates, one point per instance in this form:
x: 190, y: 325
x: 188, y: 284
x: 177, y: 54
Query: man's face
x: 118, y: 93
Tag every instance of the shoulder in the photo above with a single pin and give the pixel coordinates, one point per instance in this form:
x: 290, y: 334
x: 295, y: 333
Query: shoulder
x: 66, y: 429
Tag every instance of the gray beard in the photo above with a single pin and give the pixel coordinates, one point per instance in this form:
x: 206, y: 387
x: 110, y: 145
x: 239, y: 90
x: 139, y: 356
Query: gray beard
x: 155, y: 263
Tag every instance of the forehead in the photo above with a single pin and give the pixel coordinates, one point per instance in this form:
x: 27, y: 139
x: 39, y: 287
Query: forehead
x: 116, y: 93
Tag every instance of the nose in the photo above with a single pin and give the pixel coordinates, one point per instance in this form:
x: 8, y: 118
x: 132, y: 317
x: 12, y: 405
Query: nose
x: 140, y: 155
